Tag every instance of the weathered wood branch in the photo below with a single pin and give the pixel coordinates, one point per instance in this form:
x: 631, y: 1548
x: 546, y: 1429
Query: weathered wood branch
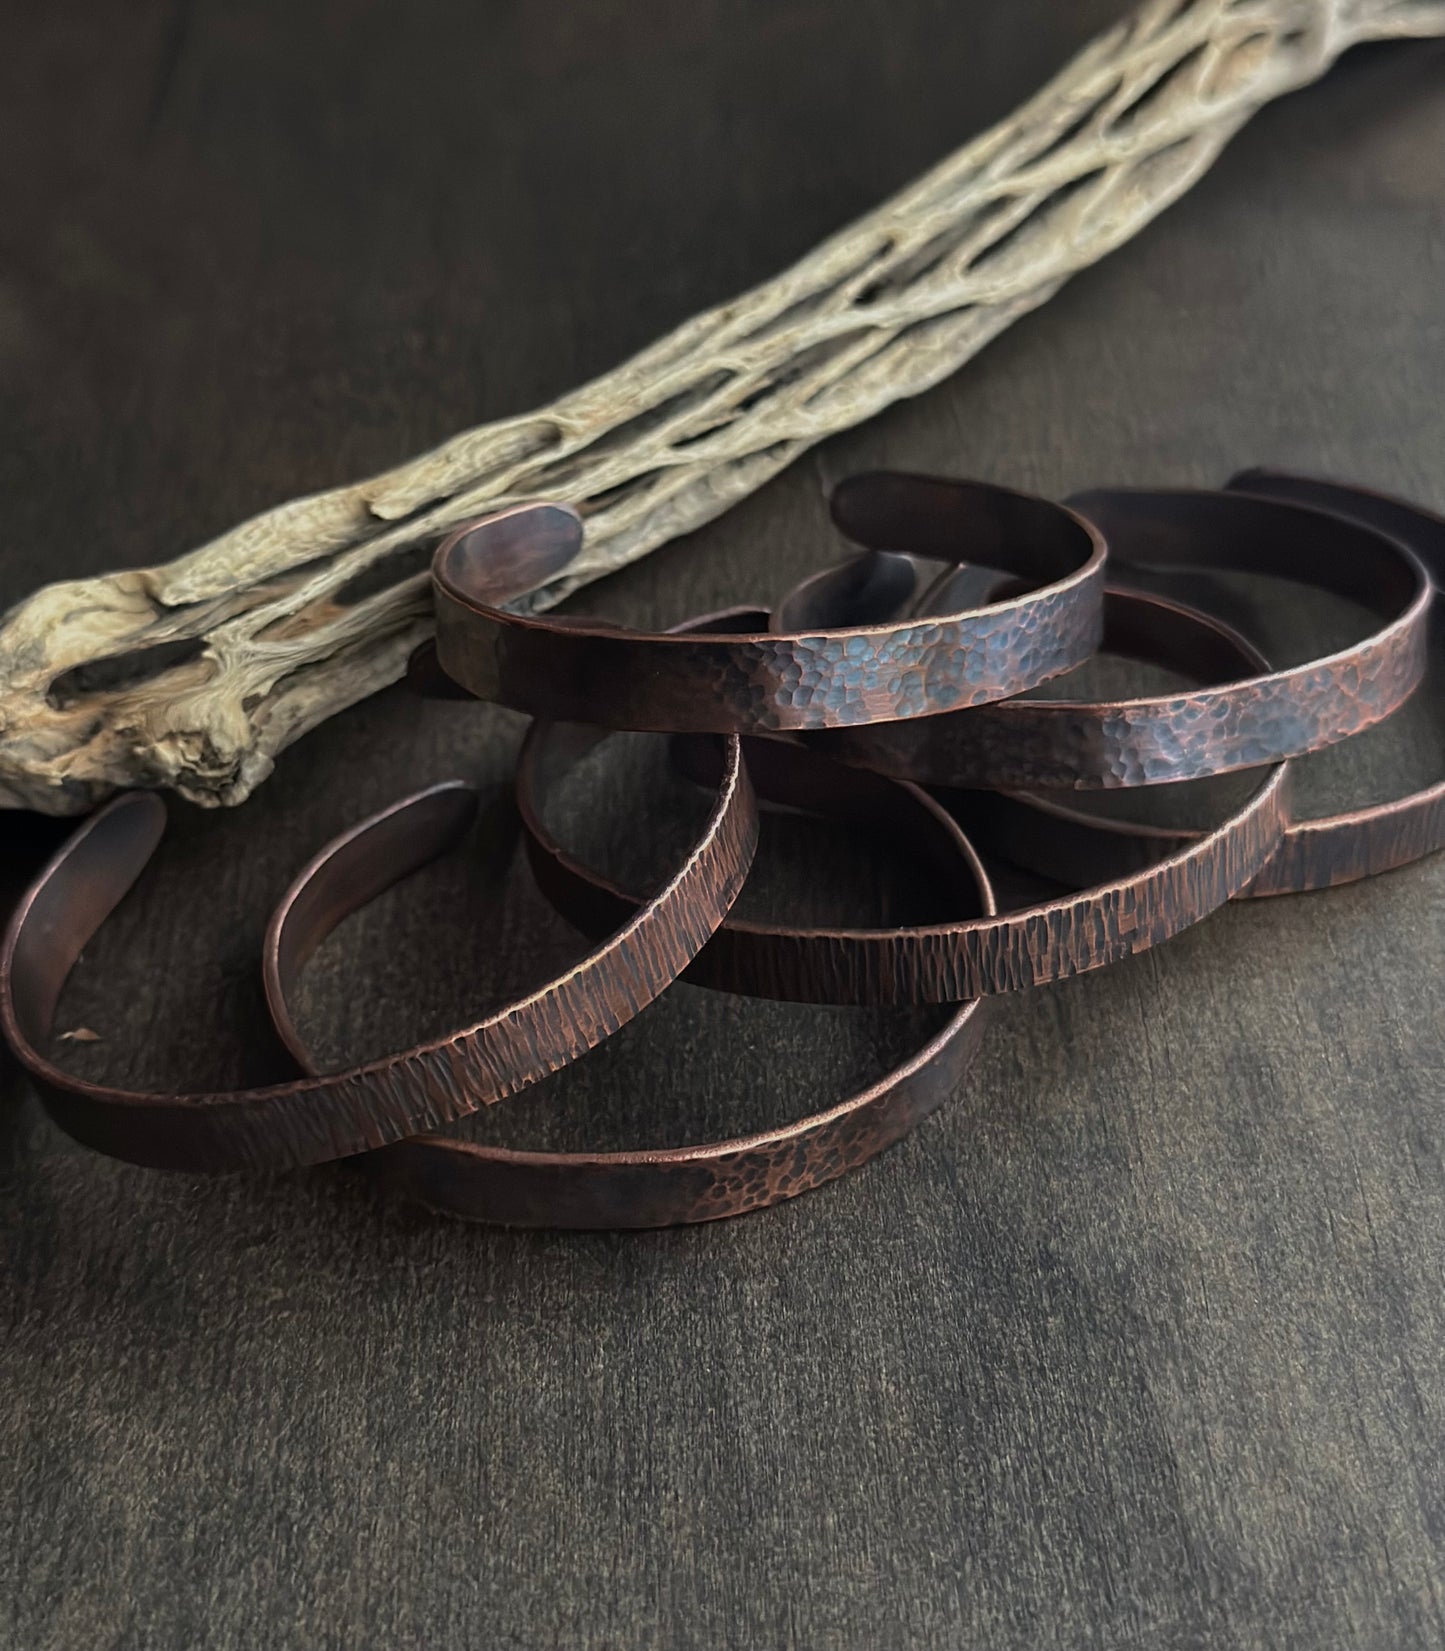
x: 194, y: 673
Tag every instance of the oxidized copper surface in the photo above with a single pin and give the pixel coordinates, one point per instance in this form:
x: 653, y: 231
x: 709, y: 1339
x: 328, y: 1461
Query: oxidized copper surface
x: 931, y: 655
x: 673, y: 1186
x: 801, y: 965
x: 938, y: 962
x: 1343, y: 848
x: 968, y: 595
x: 307, y: 1122
x: 708, y: 1181
x: 1247, y: 720
x: 1047, y: 836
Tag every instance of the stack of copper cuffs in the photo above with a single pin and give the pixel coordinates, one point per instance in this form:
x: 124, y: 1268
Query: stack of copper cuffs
x: 865, y: 691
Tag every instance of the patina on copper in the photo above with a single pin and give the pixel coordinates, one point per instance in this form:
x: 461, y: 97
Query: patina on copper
x: 783, y: 961
x: 1343, y: 848
x: 941, y: 962
x: 778, y: 961
x: 930, y: 654
x: 917, y: 530
x: 1047, y: 836
x: 287, y: 1125
x: 670, y: 1186
x: 1261, y: 717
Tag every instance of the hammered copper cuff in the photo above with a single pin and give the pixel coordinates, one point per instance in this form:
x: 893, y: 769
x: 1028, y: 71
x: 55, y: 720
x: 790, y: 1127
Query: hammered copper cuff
x: 931, y: 655
x: 1047, y: 836
x: 1236, y: 719
x: 1343, y: 848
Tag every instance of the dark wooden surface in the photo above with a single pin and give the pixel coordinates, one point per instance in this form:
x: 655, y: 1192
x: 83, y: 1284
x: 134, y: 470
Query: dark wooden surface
x: 1140, y: 1343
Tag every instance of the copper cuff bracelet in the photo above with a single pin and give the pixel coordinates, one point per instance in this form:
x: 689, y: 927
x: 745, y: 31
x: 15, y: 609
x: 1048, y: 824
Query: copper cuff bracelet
x: 948, y: 962
x: 1259, y: 718
x: 800, y: 965
x: 1343, y: 848
x: 678, y: 1186
x: 898, y: 662
x: 306, y: 1122
x: 666, y: 1187
x: 825, y: 672
x: 1050, y: 837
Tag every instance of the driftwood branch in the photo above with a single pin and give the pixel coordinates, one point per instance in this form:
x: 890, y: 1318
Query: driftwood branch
x: 193, y: 674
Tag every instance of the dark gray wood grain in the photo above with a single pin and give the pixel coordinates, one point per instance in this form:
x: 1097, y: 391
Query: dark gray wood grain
x: 1140, y: 1344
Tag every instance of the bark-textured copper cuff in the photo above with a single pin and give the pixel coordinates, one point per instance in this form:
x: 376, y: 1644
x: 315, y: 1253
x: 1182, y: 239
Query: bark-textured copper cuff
x: 1050, y: 837
x: 787, y: 962
x: 672, y: 1186
x: 930, y: 655
x: 1260, y: 717
x: 367, y: 1106
x: 941, y: 962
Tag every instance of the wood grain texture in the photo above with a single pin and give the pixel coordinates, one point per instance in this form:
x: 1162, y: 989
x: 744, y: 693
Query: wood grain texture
x: 1138, y: 1343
